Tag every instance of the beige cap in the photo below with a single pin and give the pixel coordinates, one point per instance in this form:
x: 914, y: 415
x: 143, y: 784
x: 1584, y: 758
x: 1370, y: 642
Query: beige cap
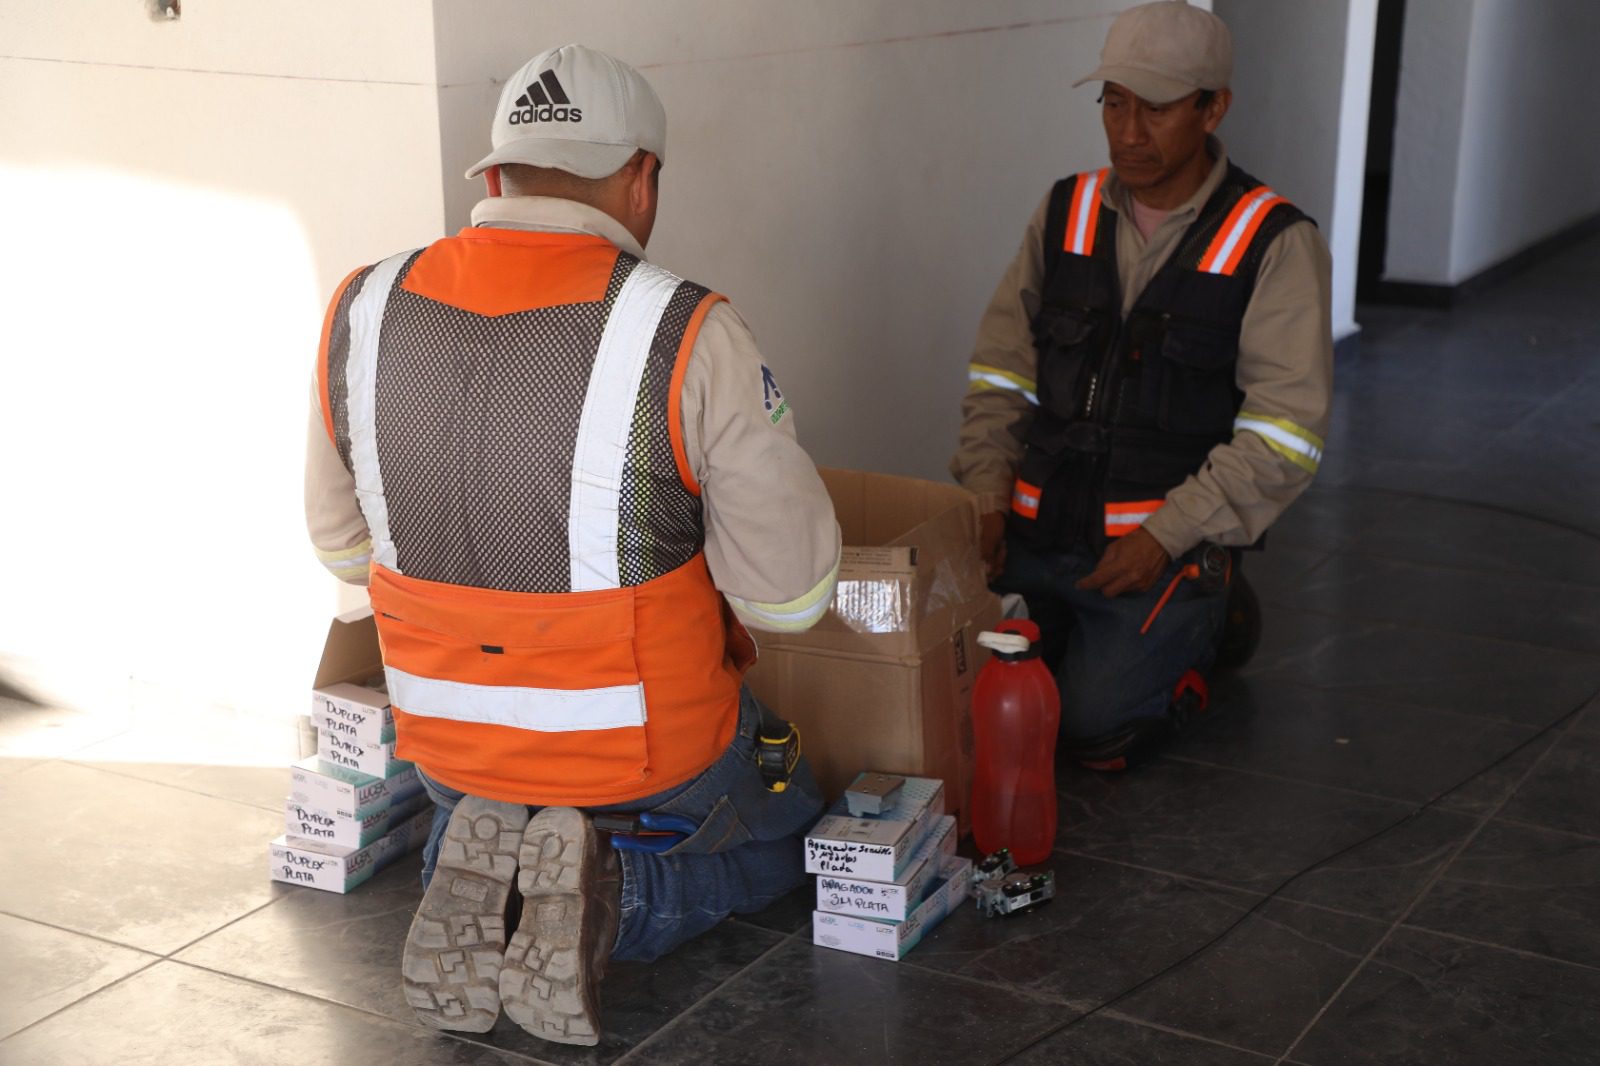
x: 1164, y: 51
x: 577, y: 110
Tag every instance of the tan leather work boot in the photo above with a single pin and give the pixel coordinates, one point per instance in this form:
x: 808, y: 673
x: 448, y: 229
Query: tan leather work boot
x: 453, y: 951
x: 571, y: 883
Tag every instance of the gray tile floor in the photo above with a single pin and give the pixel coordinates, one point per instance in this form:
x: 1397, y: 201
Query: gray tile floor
x: 1384, y: 847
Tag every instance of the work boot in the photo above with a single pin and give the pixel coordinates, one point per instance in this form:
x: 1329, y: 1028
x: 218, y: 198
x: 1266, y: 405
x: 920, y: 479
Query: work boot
x: 571, y: 883
x: 1241, y: 629
x: 458, y: 937
x: 1123, y: 747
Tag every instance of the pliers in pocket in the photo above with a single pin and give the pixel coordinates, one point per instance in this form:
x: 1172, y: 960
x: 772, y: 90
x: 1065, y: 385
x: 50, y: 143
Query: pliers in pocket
x: 646, y: 831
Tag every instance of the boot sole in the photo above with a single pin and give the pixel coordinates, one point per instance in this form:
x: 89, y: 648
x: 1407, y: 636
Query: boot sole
x: 458, y: 938
x: 544, y: 984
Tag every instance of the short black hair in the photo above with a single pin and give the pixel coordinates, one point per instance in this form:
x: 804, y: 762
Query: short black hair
x: 1203, y: 101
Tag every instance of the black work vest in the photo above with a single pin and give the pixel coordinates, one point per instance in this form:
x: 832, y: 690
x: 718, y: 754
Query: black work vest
x: 1129, y: 407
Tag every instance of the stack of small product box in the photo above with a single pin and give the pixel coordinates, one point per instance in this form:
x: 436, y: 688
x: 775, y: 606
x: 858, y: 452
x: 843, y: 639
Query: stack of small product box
x: 886, y: 867
x: 352, y: 807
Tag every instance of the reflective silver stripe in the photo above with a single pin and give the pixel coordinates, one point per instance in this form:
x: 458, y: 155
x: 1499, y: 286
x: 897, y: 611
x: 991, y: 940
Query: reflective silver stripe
x: 544, y: 710
x: 1259, y: 201
x: 995, y: 381
x: 361, y: 400
x: 1086, y: 203
x: 1135, y: 519
x: 606, y: 422
x: 1276, y: 434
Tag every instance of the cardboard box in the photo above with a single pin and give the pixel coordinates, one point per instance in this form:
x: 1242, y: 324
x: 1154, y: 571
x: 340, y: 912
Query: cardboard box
x: 345, y: 831
x: 335, y: 869
x: 885, y: 678
x: 875, y: 847
x: 891, y: 901
x: 372, y: 759
x: 892, y: 940
x: 325, y: 787
x: 357, y: 712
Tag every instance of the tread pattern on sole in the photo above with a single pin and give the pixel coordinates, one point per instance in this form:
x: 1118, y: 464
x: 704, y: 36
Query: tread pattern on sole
x: 456, y: 946
x: 545, y: 984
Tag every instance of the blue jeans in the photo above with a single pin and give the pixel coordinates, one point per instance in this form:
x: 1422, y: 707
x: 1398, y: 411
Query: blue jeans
x: 746, y: 854
x: 1109, y: 674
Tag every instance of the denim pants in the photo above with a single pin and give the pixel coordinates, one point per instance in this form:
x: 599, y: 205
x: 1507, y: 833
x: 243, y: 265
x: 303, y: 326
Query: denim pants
x: 1109, y: 674
x: 746, y: 854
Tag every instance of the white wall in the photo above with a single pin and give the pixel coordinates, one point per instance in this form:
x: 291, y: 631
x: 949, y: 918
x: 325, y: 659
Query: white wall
x: 854, y: 176
x: 1497, y: 141
x: 178, y: 199
x: 1302, y: 82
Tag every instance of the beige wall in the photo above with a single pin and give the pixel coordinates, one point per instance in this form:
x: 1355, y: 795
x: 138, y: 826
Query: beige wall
x: 854, y: 176
x: 177, y: 200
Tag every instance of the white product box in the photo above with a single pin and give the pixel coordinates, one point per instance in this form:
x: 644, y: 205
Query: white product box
x: 403, y: 782
x: 325, y: 827
x: 356, y: 712
x: 875, y: 847
x: 891, y: 901
x: 332, y: 789
x: 892, y: 940
x: 335, y: 869
x: 374, y: 760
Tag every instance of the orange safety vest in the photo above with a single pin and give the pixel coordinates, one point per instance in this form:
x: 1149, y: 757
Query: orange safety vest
x: 508, y: 404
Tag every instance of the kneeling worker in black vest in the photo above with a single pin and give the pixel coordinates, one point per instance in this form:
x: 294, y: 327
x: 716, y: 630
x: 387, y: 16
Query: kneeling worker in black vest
x: 1148, y: 393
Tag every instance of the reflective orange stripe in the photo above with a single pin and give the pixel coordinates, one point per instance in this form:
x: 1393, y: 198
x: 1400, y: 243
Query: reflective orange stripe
x: 1233, y: 239
x: 1127, y: 516
x: 675, y: 391
x: 1025, y: 499
x: 322, y: 353
x: 667, y: 636
x: 1083, y: 217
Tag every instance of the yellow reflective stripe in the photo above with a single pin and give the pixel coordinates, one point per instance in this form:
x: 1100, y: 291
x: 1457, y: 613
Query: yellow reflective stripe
x: 796, y: 615
x: 346, y: 559
x: 992, y: 377
x: 1300, y: 446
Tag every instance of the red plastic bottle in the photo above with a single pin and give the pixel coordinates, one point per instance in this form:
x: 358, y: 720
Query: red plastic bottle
x: 1016, y: 710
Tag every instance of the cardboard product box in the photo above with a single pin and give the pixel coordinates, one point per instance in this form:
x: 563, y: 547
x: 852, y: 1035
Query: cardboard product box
x: 346, y: 793
x: 309, y: 823
x: 892, y: 940
x: 885, y: 678
x: 374, y: 760
x: 359, y: 712
x: 875, y: 847
x: 335, y: 869
x: 891, y: 901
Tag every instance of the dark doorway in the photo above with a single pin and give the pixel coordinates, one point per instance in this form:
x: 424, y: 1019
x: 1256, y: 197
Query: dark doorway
x: 1380, y: 148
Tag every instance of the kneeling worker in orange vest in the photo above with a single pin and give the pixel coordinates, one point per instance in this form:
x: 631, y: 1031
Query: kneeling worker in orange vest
x: 571, y: 482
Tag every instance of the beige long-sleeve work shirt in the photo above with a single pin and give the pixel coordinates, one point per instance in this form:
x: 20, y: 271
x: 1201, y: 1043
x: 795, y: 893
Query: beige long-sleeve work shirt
x: 772, y: 542
x: 1285, y: 370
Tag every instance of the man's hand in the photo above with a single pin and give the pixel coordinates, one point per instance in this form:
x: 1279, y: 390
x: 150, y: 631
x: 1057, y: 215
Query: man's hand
x: 992, y: 543
x: 1132, y: 563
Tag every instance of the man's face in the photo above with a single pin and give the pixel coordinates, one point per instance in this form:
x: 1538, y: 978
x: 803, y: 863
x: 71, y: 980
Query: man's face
x: 1151, y: 143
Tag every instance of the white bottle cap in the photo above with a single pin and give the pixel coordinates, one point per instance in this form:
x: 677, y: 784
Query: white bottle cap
x: 1004, y: 643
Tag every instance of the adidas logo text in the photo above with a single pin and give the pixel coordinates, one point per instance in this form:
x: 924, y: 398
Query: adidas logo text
x: 545, y: 101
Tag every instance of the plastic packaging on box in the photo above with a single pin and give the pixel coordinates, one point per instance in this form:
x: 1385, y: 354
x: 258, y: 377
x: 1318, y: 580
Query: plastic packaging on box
x: 892, y: 940
x: 893, y: 900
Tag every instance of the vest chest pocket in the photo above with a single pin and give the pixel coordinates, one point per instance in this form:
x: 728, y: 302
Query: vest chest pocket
x: 1198, y: 394
x: 1068, y: 340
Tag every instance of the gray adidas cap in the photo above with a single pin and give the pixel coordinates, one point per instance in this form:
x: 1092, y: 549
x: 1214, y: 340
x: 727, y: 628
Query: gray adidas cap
x: 1164, y: 51
x: 577, y: 110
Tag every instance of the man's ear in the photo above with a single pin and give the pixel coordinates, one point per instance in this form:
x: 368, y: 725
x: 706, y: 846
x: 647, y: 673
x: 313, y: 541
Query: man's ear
x: 491, y: 179
x: 1217, y: 109
x: 642, y: 189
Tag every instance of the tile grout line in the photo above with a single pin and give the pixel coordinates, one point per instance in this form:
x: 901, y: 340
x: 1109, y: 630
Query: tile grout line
x: 158, y: 956
x: 104, y: 768
x: 1189, y: 760
x: 697, y: 1004
x: 1523, y: 952
x: 1433, y: 631
x: 1422, y: 894
x: 83, y: 999
x: 1129, y: 1019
